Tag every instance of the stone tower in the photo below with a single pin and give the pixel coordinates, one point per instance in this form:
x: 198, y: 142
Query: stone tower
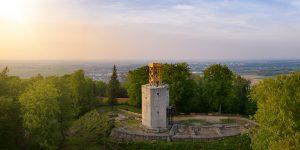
x: 155, y: 100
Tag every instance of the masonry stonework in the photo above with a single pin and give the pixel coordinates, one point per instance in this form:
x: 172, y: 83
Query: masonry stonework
x: 155, y: 100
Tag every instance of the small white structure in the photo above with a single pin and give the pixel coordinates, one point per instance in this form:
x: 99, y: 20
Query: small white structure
x: 155, y: 100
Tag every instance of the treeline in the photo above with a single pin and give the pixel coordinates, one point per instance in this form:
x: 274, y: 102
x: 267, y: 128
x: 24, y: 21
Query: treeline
x: 35, y: 113
x: 218, y: 90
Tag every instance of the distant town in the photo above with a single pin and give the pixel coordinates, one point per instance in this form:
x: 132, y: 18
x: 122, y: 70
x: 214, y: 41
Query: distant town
x: 253, y: 70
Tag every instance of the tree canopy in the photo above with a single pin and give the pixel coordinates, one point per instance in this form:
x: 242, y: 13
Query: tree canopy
x: 218, y: 88
x: 135, y: 79
x: 44, y: 107
x: 40, y: 108
x: 182, y: 87
x: 278, y: 114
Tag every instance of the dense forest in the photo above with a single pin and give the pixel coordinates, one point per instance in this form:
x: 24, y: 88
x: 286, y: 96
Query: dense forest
x: 61, y: 112
x: 36, y: 112
x: 218, y: 90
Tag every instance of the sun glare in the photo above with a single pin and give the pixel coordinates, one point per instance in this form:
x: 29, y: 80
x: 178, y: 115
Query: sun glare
x: 14, y: 10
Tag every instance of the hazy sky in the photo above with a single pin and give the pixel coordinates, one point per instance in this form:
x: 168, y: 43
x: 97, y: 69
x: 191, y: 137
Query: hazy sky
x: 149, y: 29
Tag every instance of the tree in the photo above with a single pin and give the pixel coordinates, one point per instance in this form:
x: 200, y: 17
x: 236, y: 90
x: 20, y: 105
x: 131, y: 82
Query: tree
x: 3, y: 81
x: 82, y: 91
x: 122, y: 91
x: 278, y: 114
x: 11, y: 129
x: 135, y: 79
x: 199, y: 103
x: 100, y: 88
x: 40, y: 108
x: 67, y: 105
x: 4, y: 72
x: 218, y: 85
x: 182, y: 86
x: 242, y: 104
x: 113, y: 86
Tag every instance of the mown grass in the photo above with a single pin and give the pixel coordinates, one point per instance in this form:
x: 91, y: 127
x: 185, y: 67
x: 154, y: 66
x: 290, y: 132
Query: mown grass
x: 196, y: 122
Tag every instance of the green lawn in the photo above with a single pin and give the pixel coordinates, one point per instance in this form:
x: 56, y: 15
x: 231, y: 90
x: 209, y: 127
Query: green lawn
x: 196, y: 122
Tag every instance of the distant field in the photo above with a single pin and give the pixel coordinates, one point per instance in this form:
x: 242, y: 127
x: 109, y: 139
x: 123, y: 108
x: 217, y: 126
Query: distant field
x: 254, y: 78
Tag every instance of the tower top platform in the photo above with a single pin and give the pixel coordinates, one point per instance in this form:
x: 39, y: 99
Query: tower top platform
x: 155, y: 74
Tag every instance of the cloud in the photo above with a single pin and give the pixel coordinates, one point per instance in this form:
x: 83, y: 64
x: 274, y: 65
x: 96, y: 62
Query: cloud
x: 183, y: 7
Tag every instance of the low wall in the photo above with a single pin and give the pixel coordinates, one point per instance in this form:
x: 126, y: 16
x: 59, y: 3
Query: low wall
x: 197, y: 138
x: 122, y: 135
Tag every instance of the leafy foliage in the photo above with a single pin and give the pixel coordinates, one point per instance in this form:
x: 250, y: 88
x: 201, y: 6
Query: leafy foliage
x: 100, y: 88
x: 181, y: 85
x: 89, y: 129
x: 218, y: 90
x: 218, y: 85
x: 82, y: 91
x: 49, y: 106
x: 135, y: 80
x: 278, y: 102
x: 11, y: 129
x: 40, y: 110
x: 241, y: 102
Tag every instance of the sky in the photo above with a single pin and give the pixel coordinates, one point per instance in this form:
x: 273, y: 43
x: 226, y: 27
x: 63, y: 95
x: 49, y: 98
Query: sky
x: 149, y: 29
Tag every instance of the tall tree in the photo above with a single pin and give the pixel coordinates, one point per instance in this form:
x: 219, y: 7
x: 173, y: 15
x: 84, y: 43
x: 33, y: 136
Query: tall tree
x: 241, y: 102
x: 67, y: 105
x: 199, y: 103
x: 82, y: 89
x: 135, y: 79
x: 11, y: 129
x: 113, y: 86
x: 40, y: 108
x: 278, y: 114
x: 218, y: 81
x: 181, y: 84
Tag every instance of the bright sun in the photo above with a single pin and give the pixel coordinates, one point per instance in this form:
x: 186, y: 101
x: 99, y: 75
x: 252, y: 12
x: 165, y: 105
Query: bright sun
x: 14, y: 10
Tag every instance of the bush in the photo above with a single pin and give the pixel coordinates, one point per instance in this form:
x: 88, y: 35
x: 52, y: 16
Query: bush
x: 90, y: 129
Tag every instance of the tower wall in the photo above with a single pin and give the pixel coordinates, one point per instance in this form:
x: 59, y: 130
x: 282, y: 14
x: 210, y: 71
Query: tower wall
x: 155, y: 100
